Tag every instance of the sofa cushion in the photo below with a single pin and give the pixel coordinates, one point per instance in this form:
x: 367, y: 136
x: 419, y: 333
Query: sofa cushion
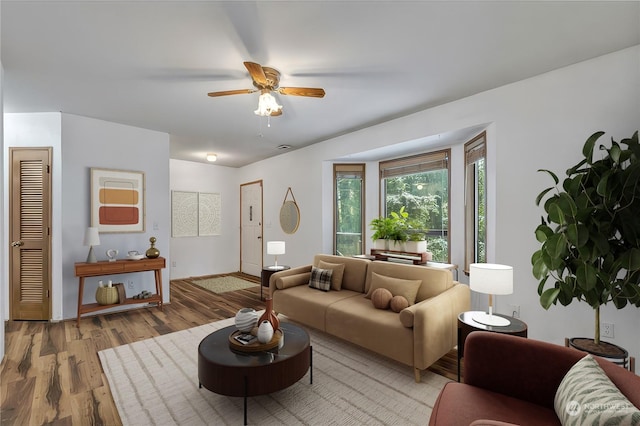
x: 357, y: 321
x: 397, y: 286
x: 381, y: 298
x: 338, y: 272
x: 320, y: 278
x: 434, y: 280
x: 355, y: 270
x: 292, y: 280
x: 308, y: 306
x: 587, y: 396
x: 460, y: 404
x: 398, y: 303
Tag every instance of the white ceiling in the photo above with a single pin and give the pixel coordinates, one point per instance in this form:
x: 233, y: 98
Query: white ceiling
x: 150, y: 64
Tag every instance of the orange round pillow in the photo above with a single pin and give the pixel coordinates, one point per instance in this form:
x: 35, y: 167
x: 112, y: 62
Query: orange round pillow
x: 381, y: 297
x: 398, y: 303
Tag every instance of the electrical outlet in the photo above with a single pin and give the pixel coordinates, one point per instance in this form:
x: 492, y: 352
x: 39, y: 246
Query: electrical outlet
x: 606, y: 329
x: 514, y: 311
x: 173, y: 264
x: 130, y: 284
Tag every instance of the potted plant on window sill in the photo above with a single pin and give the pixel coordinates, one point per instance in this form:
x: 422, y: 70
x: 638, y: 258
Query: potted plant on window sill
x: 417, y: 243
x: 390, y: 232
x: 399, y: 233
x: 591, y: 235
x: 382, y: 228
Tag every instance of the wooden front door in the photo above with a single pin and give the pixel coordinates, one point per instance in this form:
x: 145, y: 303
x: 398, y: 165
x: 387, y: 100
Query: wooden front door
x: 30, y: 233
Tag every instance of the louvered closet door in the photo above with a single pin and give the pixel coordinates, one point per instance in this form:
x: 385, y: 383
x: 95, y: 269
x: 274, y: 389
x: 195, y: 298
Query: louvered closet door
x: 29, y: 223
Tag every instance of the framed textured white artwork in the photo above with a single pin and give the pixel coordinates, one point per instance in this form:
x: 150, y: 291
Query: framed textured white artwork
x: 184, y: 214
x: 208, y: 214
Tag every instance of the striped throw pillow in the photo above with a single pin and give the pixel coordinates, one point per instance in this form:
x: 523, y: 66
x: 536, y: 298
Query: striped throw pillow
x: 586, y: 396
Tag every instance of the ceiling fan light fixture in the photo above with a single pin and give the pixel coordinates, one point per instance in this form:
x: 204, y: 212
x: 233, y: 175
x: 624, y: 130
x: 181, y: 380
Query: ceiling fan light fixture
x: 267, y: 105
x: 212, y: 157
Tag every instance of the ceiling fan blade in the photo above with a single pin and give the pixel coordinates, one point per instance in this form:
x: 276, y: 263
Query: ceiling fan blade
x: 257, y: 73
x: 302, y: 91
x: 231, y: 92
x: 276, y: 113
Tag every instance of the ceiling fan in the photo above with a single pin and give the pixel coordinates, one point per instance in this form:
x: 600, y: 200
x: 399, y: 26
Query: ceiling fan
x: 267, y: 80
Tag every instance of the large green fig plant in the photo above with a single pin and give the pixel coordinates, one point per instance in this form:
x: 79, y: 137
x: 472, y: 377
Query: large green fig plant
x: 590, y: 237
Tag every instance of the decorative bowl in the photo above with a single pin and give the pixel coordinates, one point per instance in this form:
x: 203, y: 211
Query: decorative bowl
x: 136, y: 257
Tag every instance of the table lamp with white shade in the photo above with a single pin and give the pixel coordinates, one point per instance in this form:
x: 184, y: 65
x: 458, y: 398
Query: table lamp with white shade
x: 491, y: 278
x: 91, y: 238
x: 275, y: 248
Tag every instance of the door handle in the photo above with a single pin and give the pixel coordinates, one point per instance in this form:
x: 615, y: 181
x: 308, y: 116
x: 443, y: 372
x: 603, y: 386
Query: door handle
x: 259, y: 237
x: 17, y: 243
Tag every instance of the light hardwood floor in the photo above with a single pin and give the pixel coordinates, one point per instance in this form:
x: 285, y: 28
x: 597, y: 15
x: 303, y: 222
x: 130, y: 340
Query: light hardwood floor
x: 51, y: 373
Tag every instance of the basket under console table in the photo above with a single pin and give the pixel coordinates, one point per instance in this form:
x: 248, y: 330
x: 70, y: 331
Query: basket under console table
x: 83, y: 270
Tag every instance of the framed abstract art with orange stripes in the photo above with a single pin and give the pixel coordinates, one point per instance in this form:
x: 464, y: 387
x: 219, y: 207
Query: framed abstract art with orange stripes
x: 117, y: 200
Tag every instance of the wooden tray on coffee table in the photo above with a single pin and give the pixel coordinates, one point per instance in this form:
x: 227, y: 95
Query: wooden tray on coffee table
x: 255, y: 346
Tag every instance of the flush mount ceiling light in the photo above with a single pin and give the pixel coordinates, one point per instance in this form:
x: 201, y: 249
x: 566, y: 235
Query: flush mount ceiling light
x: 211, y: 157
x: 267, y: 105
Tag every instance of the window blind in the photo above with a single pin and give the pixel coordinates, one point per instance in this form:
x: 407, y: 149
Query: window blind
x: 415, y: 164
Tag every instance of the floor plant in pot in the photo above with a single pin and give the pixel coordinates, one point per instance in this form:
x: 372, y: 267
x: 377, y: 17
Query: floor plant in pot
x: 590, y: 237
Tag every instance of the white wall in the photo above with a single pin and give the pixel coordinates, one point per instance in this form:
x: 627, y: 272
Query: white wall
x: 197, y: 256
x: 88, y: 143
x: 537, y: 123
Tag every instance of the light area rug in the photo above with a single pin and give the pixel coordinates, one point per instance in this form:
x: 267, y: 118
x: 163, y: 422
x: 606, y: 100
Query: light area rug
x: 155, y: 382
x: 223, y: 284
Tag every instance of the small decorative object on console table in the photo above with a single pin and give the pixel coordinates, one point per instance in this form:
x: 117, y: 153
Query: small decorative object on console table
x: 490, y: 278
x: 107, y: 295
x: 152, y: 252
x: 91, y: 238
x: 246, y: 319
x: 111, y: 254
x: 269, y: 315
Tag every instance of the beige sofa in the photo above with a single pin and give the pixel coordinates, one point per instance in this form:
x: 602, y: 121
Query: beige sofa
x: 417, y: 336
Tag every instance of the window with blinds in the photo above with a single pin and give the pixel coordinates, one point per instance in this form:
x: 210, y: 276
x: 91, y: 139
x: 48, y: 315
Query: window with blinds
x: 348, y: 207
x: 420, y: 184
x: 475, y: 205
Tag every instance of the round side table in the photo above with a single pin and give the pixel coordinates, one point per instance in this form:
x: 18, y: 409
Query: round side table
x: 467, y: 325
x: 267, y: 271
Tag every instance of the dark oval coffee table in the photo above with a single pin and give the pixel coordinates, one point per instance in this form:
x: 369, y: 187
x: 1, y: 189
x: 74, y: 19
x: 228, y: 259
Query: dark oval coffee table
x: 234, y: 373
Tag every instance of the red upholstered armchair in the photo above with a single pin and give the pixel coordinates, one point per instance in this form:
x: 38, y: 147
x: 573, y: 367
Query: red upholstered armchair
x: 514, y: 380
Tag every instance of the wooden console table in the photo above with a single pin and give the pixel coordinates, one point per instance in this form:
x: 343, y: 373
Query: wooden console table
x: 97, y: 269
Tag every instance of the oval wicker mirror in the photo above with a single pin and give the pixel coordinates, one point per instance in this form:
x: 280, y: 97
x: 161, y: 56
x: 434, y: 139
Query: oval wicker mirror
x: 289, y: 217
